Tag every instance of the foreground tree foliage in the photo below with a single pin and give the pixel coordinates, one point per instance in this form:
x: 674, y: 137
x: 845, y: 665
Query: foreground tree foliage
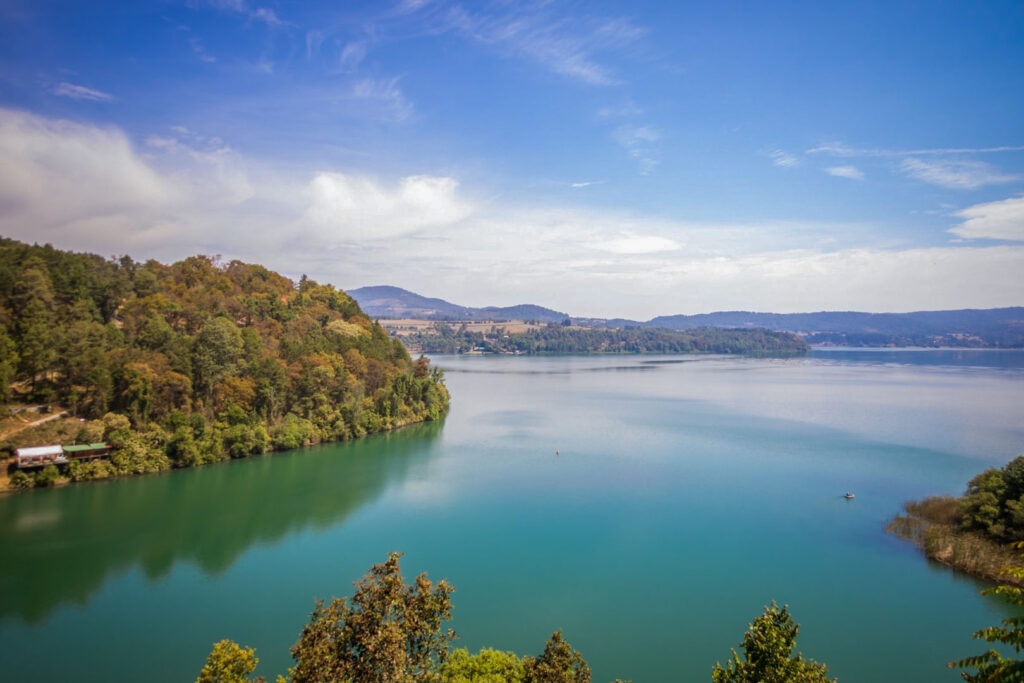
x: 390, y: 632
x: 559, y: 663
x: 992, y: 666
x: 487, y: 666
x: 994, y: 502
x: 198, y: 361
x: 768, y: 654
x: 229, y: 663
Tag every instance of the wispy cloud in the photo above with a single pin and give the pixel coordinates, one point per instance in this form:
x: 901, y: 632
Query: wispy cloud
x: 265, y: 15
x: 387, y: 94
x: 1002, y: 220
x: 956, y: 174
x: 80, y: 92
x: 640, y: 143
x: 851, y: 172
x: 200, y: 50
x: 784, y: 159
x: 587, y: 183
x: 626, y: 110
x: 569, y: 46
x: 840, y: 149
x: 351, y: 55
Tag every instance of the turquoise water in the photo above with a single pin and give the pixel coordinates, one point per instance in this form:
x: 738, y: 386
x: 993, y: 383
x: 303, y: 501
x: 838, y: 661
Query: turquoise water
x: 687, y: 492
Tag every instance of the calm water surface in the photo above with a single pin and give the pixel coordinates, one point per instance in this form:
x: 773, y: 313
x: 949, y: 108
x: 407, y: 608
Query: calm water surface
x: 687, y: 493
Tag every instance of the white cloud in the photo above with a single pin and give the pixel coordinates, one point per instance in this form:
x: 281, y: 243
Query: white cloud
x: 345, y: 208
x: 80, y: 92
x: 89, y: 188
x: 851, y: 172
x: 1002, y: 220
x: 587, y: 183
x: 387, y: 94
x: 956, y: 175
x: 55, y: 173
x: 638, y: 244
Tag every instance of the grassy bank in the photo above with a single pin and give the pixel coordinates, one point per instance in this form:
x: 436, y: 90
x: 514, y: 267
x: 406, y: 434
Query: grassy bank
x: 935, y: 525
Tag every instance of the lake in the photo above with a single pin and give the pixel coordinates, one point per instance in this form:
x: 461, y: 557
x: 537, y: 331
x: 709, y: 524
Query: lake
x: 648, y: 506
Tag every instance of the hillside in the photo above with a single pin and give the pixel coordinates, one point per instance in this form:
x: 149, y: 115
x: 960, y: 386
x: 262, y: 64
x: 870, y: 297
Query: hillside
x: 395, y: 302
x: 197, y: 361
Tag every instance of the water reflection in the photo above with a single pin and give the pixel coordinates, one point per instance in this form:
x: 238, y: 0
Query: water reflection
x: 61, y: 545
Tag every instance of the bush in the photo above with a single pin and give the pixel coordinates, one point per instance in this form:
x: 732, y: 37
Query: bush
x: 47, y: 476
x: 20, y: 480
x: 487, y: 666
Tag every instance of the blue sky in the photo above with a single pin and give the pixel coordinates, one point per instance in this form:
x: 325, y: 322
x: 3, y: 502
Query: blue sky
x: 601, y: 158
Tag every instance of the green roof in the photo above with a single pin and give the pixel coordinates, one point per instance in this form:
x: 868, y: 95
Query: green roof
x: 85, y: 447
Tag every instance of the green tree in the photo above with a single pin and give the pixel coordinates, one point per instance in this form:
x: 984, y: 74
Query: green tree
x: 34, y: 327
x: 217, y: 350
x: 559, y: 663
x: 992, y: 666
x: 768, y: 654
x: 389, y: 632
x: 229, y: 663
x: 487, y: 666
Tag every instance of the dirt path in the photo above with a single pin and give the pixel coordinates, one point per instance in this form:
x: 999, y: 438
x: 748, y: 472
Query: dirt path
x: 18, y: 428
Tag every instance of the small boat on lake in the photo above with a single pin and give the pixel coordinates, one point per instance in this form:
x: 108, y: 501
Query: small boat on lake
x: 848, y: 496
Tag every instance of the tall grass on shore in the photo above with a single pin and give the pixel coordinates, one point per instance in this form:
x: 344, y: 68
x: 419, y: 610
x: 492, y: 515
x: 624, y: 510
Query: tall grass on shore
x: 934, y: 525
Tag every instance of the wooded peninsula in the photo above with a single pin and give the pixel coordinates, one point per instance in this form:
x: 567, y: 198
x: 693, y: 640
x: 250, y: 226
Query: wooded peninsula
x: 553, y: 338
x: 977, y: 533
x: 189, y: 363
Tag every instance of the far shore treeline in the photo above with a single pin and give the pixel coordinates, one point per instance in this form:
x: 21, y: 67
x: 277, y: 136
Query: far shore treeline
x: 194, y: 362
x: 564, y: 338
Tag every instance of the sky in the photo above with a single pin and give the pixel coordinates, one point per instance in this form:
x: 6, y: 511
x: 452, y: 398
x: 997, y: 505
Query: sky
x: 601, y: 158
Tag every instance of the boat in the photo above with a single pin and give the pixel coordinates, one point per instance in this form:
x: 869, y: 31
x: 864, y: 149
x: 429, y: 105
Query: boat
x: 848, y: 496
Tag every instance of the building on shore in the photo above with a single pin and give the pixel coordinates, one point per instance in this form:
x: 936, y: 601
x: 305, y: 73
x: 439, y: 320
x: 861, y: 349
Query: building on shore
x: 41, y: 456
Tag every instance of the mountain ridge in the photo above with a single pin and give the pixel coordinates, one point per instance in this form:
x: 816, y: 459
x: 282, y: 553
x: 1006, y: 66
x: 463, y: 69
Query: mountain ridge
x: 985, y: 327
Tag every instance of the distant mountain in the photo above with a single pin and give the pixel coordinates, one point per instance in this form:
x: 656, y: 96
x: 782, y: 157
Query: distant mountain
x: 993, y: 327
x: 395, y: 302
x: 966, y: 327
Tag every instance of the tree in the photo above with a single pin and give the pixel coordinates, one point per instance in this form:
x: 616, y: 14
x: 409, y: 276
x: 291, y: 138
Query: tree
x: 768, y: 654
x: 229, y: 663
x: 217, y: 350
x: 390, y: 632
x: 559, y: 663
x: 992, y: 666
x: 33, y: 324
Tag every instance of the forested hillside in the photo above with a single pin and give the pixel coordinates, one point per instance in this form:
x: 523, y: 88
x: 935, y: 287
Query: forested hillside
x: 555, y: 338
x: 198, y: 361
